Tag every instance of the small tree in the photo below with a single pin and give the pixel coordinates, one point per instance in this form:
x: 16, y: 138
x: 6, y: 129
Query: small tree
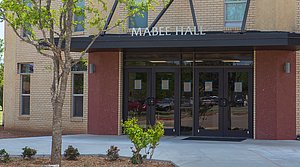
x: 147, y: 139
x: 49, y: 29
x: 155, y: 133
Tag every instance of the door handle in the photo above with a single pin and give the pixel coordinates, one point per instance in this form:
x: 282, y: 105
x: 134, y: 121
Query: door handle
x: 223, y: 102
x: 150, y: 101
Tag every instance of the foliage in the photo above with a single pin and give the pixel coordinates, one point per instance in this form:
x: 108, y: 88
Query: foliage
x: 71, y: 153
x: 155, y: 133
x: 28, y: 152
x: 112, y: 153
x: 4, y: 156
x: 147, y: 139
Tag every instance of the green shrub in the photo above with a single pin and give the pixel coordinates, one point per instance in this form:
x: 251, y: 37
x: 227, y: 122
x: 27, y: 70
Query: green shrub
x: 113, y: 153
x: 155, y: 133
x: 28, y: 152
x: 142, y: 139
x: 4, y: 156
x: 71, y: 153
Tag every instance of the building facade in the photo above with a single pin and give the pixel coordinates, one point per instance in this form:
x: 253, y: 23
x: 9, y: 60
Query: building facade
x: 225, y: 68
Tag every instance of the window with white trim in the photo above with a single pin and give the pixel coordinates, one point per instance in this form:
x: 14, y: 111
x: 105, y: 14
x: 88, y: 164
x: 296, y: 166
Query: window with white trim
x: 78, y: 88
x: 234, y: 12
x: 25, y: 70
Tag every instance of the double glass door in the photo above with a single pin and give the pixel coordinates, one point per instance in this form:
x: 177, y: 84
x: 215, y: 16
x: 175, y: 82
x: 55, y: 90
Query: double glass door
x: 223, y: 105
x: 151, y: 95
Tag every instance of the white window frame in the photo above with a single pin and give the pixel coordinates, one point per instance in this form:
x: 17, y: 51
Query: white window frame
x: 21, y: 86
x: 77, y: 95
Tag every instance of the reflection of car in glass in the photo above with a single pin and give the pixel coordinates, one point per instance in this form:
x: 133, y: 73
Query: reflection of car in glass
x: 238, y: 100
x: 186, y: 101
x: 136, y: 106
x: 209, y: 100
x: 165, y: 104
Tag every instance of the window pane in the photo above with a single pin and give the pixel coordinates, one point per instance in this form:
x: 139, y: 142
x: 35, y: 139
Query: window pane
x: 235, y: 11
x: 77, y: 106
x: 25, y: 84
x: 79, y: 25
x: 25, y: 105
x: 78, y: 84
x: 138, y: 21
x: 79, y: 18
x: 80, y: 66
x: 26, y: 68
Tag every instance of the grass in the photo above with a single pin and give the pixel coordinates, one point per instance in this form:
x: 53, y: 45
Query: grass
x: 1, y: 117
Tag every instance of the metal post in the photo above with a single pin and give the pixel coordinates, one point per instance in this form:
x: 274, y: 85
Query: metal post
x: 245, y: 16
x: 113, y: 9
x: 194, y: 15
x: 160, y: 15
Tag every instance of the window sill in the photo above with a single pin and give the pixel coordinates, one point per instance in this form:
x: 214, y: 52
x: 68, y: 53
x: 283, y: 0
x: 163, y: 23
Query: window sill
x: 76, y: 119
x: 232, y: 29
x: 24, y: 117
x: 78, y: 33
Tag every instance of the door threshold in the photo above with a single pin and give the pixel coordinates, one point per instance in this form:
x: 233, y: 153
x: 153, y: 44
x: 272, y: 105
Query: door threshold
x: 216, y: 138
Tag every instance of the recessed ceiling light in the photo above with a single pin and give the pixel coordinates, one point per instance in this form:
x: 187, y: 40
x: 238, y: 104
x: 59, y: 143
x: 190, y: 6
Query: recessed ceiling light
x: 231, y: 61
x: 158, y: 61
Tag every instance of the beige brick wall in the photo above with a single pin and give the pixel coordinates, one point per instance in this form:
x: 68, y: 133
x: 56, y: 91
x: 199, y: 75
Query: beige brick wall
x: 254, y: 94
x: 40, y: 118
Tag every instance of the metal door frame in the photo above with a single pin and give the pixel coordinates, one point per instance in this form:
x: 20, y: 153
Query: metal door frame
x: 151, y: 81
x: 223, y: 111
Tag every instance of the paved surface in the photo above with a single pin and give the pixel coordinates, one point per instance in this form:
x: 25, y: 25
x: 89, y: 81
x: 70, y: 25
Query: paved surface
x: 185, y: 153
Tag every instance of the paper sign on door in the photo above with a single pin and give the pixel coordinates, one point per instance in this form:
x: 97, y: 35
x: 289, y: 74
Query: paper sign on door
x: 208, y: 86
x: 187, y: 86
x: 138, y: 84
x: 238, y: 87
x: 164, y: 84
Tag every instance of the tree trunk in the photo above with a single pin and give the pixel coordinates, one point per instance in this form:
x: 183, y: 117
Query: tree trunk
x: 58, y: 96
x: 56, y: 133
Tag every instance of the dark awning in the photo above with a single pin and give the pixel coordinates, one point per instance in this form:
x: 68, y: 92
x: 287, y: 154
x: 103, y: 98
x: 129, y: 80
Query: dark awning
x: 247, y: 40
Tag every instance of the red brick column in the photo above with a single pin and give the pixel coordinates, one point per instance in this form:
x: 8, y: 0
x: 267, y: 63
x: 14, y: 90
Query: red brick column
x: 103, y: 93
x: 275, y: 95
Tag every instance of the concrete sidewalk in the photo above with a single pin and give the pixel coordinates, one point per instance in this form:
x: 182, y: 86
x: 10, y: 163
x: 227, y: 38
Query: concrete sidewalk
x: 185, y: 153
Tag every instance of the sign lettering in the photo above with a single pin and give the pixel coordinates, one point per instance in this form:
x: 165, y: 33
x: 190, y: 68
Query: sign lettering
x: 165, y: 31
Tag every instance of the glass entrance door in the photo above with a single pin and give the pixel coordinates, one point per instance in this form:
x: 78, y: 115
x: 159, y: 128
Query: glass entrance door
x: 150, y: 96
x: 138, y: 89
x: 238, y: 96
x: 224, y: 102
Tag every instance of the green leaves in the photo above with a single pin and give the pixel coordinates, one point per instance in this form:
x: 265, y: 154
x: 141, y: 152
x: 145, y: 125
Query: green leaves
x: 143, y: 139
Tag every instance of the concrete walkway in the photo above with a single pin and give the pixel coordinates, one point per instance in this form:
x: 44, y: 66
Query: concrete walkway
x: 185, y: 153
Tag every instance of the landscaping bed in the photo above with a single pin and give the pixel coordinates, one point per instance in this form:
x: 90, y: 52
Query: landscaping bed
x: 85, y: 161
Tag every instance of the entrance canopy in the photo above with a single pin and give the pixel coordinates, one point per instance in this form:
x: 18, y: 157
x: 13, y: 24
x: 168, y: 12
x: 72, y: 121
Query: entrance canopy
x: 211, y: 40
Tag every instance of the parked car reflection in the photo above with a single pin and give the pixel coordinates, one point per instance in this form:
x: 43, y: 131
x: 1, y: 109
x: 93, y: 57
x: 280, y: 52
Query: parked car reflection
x: 166, y: 104
x: 209, y: 100
x: 137, y: 106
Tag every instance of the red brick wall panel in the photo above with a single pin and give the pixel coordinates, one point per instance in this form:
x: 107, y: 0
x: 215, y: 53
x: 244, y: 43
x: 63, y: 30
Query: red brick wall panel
x: 275, y: 95
x: 103, y: 93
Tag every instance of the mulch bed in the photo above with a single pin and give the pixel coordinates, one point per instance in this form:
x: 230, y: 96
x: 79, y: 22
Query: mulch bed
x: 85, y: 161
x: 18, y: 134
